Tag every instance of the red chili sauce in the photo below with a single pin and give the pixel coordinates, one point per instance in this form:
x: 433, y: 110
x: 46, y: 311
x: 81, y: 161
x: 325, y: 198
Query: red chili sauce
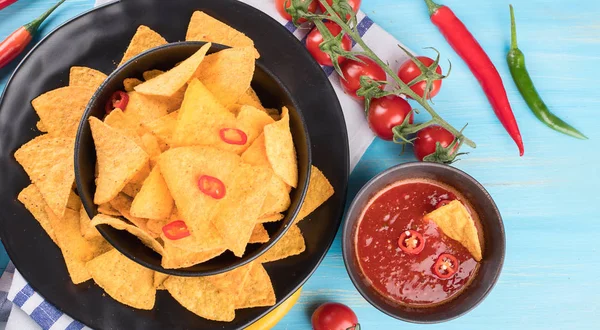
x: 408, y: 278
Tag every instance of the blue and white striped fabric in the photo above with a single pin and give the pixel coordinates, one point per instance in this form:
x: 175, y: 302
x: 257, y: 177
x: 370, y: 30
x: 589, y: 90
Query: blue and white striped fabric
x: 49, y: 317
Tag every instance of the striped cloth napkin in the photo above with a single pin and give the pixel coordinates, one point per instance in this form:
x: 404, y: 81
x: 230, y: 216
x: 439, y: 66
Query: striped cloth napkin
x: 49, y: 317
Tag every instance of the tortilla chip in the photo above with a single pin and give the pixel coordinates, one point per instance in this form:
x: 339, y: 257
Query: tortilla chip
x: 291, y: 244
x: 250, y: 98
x: 168, y: 83
x: 180, y: 258
x: 278, y: 197
x: 259, y: 234
x: 142, y: 175
x: 130, y: 83
x: 151, y: 74
x: 61, y: 109
x: 456, y: 222
x: 76, y: 250
x: 233, y: 280
x: 201, y: 118
x: 119, y: 224
x: 123, y: 279
x: 203, y: 27
x: 280, y: 149
x: 258, y: 290
x: 319, y: 191
x: 119, y: 160
x: 85, y: 226
x: 200, y: 296
x: 270, y: 218
x: 154, y: 201
x: 122, y: 203
x: 238, y: 210
x: 151, y: 147
x: 142, y: 109
x: 117, y: 119
x: 49, y: 163
x: 107, y: 209
x: 163, y: 127
x: 159, y: 278
x: 143, y: 39
x: 256, y: 154
x: 41, y: 127
x: 131, y: 189
x: 227, y: 74
x: 81, y: 76
x: 74, y: 202
x: 34, y: 202
x: 252, y: 122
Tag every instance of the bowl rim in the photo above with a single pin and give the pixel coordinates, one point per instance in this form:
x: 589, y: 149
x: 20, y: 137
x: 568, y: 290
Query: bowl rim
x: 91, y: 209
x: 347, y: 230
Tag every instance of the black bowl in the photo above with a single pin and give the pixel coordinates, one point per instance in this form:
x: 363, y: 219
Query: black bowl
x: 493, y: 233
x: 272, y: 93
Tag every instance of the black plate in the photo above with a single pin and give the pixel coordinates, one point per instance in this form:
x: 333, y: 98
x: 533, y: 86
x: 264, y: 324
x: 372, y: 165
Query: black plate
x: 97, y: 39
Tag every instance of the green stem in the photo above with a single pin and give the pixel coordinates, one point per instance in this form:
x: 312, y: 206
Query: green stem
x: 513, y: 29
x: 34, y: 25
x: 432, y: 6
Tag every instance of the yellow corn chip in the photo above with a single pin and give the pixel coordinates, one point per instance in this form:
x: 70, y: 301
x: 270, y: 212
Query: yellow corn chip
x: 179, y: 258
x: 250, y: 98
x: 455, y: 222
x: 233, y: 280
x: 122, y: 203
x: 151, y: 147
x: 291, y: 244
x: 154, y: 200
x: 319, y: 191
x: 85, y: 226
x: 270, y: 218
x: 227, y: 74
x: 130, y: 83
x: 117, y: 119
x: 163, y: 127
x: 200, y: 296
x: 81, y: 76
x: 119, y: 224
x: 123, y: 279
x: 206, y: 28
x: 280, y: 149
x: 119, y: 160
x: 238, y: 210
x: 49, y: 163
x: 159, y: 278
x: 259, y: 234
x: 258, y: 290
x: 74, y: 202
x: 150, y: 74
x: 76, y: 250
x: 61, y: 109
x: 143, y: 39
x: 142, y: 109
x: 41, y: 127
x: 142, y: 175
x: 107, y: 209
x: 155, y: 226
x: 278, y: 197
x: 252, y: 122
x: 256, y: 154
x: 34, y: 202
x: 168, y: 83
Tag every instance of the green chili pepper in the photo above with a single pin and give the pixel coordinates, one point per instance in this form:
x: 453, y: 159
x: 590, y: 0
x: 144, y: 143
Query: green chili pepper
x: 518, y: 70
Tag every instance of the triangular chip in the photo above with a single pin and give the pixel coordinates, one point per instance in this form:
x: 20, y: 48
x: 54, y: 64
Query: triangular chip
x: 278, y: 197
x: 61, y: 109
x: 259, y: 234
x: 74, y: 202
x: 119, y: 160
x: 34, y: 202
x: 203, y: 27
x: 270, y: 218
x: 151, y: 146
x: 76, y: 250
x: 124, y: 280
x: 86, y: 77
x: 151, y: 74
x: 258, y: 290
x: 227, y: 74
x: 119, y: 224
x: 122, y: 203
x: 154, y: 201
x: 49, y: 163
x: 85, y: 226
x: 456, y: 222
x: 252, y: 122
x: 250, y: 98
x: 107, y: 209
x: 163, y: 127
x: 256, y: 154
x: 168, y: 83
x: 280, y: 149
x: 117, y: 119
x: 291, y: 244
x: 143, y: 39
x: 159, y: 278
x: 319, y: 190
x: 142, y: 109
x: 201, y: 297
x: 179, y: 258
x: 130, y: 83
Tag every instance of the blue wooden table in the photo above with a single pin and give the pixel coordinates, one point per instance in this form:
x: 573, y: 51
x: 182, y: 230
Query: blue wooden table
x: 548, y: 198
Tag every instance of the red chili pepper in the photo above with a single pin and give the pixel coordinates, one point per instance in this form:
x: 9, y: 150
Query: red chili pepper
x: 118, y: 99
x: 411, y: 242
x: 442, y: 203
x: 445, y: 266
x: 176, y: 230
x: 12, y: 46
x: 6, y: 3
x: 211, y: 186
x: 233, y: 136
x: 467, y: 47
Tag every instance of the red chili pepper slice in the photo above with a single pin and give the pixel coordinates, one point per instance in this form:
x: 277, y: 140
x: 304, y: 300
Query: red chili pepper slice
x: 119, y: 99
x: 445, y: 266
x: 211, y: 186
x: 176, y: 230
x: 233, y: 136
x: 441, y: 203
x: 411, y: 242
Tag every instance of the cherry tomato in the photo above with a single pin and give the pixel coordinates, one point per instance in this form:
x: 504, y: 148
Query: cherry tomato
x: 314, y: 40
x: 445, y: 266
x: 312, y: 7
x: 211, y: 186
x: 355, y: 4
x: 387, y: 112
x: 442, y: 203
x: 118, y: 99
x: 411, y: 242
x: 409, y: 71
x: 353, y: 70
x: 176, y: 230
x: 334, y: 316
x: 233, y: 136
x: 427, y: 138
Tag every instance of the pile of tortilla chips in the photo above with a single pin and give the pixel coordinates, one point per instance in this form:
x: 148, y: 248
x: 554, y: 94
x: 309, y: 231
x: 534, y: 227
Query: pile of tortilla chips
x: 200, y: 119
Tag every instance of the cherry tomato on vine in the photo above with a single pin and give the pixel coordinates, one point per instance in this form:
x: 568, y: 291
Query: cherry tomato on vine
x: 353, y: 70
x: 355, y: 4
x: 334, y: 316
x: 387, y: 112
x: 315, y: 38
x: 425, y: 143
x: 312, y: 7
x: 409, y: 71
